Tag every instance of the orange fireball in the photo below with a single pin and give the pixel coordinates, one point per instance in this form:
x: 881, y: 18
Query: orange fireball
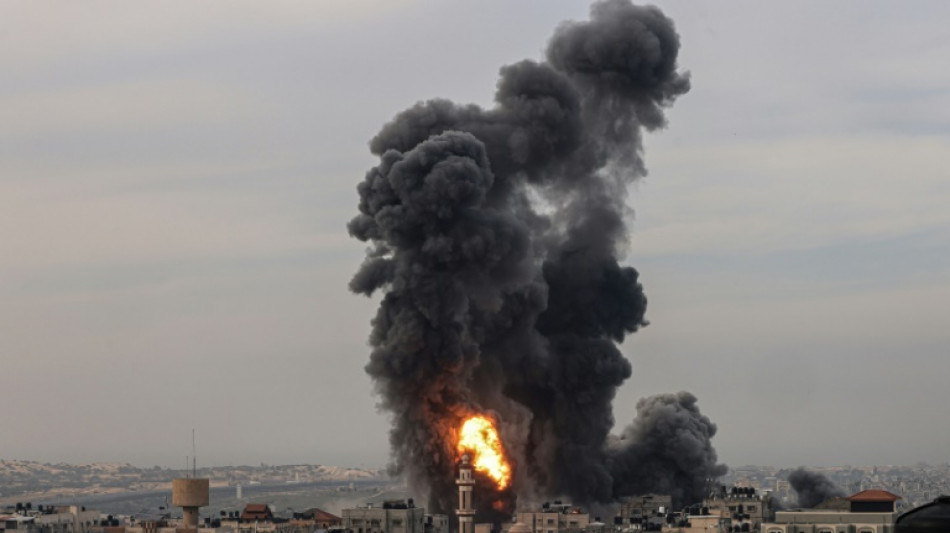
x: 479, y: 438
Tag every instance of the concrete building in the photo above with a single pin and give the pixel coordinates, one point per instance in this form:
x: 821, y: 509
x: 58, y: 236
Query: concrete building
x: 51, y: 519
x: 747, y: 508
x: 259, y: 518
x: 518, y: 527
x: 437, y: 523
x: 703, y: 524
x: 392, y: 517
x: 871, y: 511
x: 783, y: 489
x: 151, y: 526
x: 835, y: 503
x: 645, y: 505
x: 815, y: 521
x: 554, y: 517
x: 15, y: 523
x: 317, y: 518
x: 636, y: 512
x: 873, y: 501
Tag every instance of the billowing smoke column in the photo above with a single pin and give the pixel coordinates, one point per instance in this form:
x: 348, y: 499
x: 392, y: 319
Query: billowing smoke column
x: 658, y: 453
x: 812, y: 488
x: 495, y: 240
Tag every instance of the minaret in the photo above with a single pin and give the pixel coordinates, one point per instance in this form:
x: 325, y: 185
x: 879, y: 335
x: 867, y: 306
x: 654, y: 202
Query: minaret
x: 466, y: 485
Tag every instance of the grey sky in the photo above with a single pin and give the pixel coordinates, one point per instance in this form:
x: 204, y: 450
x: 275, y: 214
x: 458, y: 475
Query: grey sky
x: 175, y: 180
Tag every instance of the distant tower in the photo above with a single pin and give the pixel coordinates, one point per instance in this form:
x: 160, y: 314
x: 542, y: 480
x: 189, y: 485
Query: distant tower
x: 466, y: 485
x: 190, y: 494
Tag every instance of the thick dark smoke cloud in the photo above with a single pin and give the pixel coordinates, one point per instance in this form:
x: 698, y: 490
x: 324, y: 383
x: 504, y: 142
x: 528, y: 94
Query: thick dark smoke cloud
x: 496, y: 242
x: 658, y: 452
x: 812, y: 488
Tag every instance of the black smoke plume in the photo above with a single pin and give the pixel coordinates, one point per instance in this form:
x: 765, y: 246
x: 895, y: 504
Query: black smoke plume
x: 812, y: 488
x: 496, y: 242
x: 663, y: 448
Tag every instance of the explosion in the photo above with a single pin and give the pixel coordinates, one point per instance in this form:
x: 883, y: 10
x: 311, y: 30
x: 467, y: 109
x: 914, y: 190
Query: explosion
x: 497, y: 239
x: 479, y: 437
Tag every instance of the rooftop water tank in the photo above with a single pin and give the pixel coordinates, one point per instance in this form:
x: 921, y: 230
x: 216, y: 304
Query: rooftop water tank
x: 928, y: 518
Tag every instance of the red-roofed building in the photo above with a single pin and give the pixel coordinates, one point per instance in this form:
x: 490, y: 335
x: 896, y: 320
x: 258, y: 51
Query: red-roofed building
x: 873, y: 501
x: 317, y: 517
x: 256, y: 512
x: 872, y: 511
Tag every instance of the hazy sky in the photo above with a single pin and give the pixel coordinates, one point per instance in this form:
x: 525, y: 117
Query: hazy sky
x: 176, y: 176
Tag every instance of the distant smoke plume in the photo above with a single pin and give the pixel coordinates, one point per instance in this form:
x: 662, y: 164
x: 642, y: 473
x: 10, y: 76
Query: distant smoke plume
x: 812, y: 488
x: 652, y: 454
x: 496, y: 238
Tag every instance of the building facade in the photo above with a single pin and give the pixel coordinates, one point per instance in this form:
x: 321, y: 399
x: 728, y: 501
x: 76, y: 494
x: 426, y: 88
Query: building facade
x: 747, y: 508
x: 555, y: 518
x: 645, y: 505
x: 871, y: 511
x: 642, y: 512
x: 391, y: 517
x: 317, y: 518
x: 437, y: 523
x: 818, y: 521
x: 52, y: 519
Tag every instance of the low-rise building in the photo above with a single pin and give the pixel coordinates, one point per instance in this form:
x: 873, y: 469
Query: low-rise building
x: 257, y: 518
x: 159, y: 526
x: 703, y: 524
x: 643, y: 512
x: 871, y: 511
x: 256, y: 512
x: 438, y: 523
x: 392, y: 517
x: 747, y: 508
x: 51, y: 519
x: 317, y: 518
x: 555, y: 517
x: 645, y: 505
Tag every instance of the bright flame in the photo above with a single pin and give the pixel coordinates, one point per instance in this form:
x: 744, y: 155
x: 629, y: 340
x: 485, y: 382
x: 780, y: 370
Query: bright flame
x: 479, y: 438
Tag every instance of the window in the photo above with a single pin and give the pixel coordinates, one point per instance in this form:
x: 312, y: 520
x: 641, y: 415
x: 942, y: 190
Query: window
x: 550, y: 521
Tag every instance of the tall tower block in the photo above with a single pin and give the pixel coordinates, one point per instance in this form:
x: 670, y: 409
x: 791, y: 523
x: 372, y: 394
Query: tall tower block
x: 466, y: 485
x: 190, y: 494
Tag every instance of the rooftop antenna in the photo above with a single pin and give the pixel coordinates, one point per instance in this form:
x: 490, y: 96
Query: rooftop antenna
x: 194, y: 455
